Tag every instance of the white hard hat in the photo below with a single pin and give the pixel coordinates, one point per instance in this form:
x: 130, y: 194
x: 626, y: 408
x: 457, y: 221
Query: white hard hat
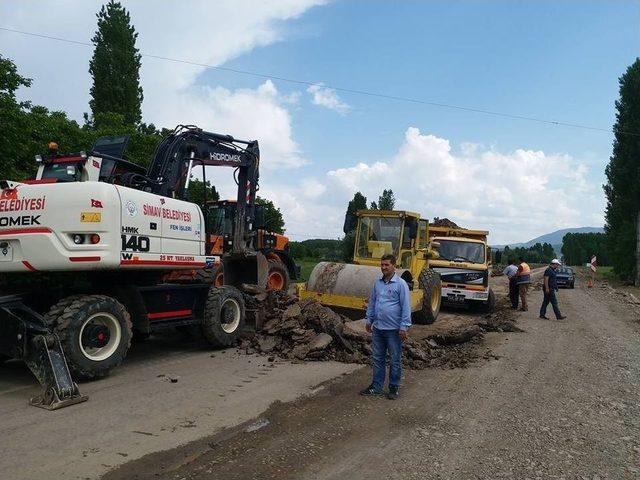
x: 555, y: 260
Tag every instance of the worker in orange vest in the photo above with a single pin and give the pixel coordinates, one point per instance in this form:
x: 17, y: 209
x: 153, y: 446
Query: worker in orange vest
x: 523, y: 281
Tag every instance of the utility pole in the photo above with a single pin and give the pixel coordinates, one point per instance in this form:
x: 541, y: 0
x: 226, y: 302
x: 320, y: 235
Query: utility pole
x: 637, y: 282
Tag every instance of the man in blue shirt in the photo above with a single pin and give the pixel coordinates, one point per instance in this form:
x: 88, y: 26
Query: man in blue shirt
x: 388, y: 318
x: 549, y: 288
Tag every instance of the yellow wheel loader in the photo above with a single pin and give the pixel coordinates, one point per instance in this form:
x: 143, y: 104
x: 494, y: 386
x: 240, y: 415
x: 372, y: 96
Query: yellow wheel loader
x: 346, y: 287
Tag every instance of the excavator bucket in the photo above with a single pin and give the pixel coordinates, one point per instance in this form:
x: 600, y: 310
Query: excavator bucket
x: 24, y: 335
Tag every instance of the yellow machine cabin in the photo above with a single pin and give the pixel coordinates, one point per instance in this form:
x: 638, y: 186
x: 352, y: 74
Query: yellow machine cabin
x: 347, y: 287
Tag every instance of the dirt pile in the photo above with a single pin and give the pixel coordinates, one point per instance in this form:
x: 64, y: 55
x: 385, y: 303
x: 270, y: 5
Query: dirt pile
x: 443, y: 222
x: 306, y: 331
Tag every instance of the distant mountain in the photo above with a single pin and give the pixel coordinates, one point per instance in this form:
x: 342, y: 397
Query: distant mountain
x: 554, y: 238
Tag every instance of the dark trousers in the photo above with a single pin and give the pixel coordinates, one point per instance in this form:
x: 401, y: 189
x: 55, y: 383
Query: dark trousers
x: 513, y: 292
x: 550, y: 298
x: 383, y: 341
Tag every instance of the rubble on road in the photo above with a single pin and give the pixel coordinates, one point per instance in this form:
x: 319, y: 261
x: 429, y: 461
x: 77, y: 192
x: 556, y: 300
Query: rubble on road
x: 307, y: 330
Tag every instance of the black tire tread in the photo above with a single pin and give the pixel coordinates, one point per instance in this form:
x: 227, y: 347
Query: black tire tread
x: 427, y: 279
x: 490, y: 305
x: 60, y: 317
x: 211, y: 329
x: 282, y: 268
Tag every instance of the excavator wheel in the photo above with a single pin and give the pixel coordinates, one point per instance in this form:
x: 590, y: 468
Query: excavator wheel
x: 429, y: 282
x: 214, y: 274
x: 278, y: 276
x: 95, y: 333
x: 224, y: 316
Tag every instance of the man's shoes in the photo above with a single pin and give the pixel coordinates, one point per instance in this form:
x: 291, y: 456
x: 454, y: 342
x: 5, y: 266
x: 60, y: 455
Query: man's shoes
x: 370, y: 392
x: 561, y: 317
x: 543, y: 317
x: 394, y: 393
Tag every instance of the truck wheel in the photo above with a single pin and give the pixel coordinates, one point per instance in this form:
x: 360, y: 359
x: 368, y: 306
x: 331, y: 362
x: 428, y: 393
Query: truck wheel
x: 429, y: 282
x: 95, y: 333
x: 224, y: 316
x: 278, y: 276
x: 573, y: 284
x: 490, y: 305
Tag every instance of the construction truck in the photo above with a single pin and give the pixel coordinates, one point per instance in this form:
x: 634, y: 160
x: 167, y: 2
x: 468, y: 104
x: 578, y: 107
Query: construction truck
x: 464, y: 263
x: 347, y: 287
x: 86, y: 246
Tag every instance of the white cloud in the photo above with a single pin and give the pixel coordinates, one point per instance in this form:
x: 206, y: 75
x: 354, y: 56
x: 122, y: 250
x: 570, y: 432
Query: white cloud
x: 198, y: 31
x: 328, y: 98
x: 517, y: 195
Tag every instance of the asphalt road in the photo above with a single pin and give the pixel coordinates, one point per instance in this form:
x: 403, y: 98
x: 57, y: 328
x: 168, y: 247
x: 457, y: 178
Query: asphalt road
x: 558, y: 401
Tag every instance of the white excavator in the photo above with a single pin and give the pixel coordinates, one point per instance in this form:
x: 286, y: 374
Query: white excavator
x: 86, y: 248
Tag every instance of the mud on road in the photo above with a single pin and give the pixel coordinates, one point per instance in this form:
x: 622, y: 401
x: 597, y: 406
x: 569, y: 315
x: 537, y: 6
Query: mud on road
x: 559, y: 400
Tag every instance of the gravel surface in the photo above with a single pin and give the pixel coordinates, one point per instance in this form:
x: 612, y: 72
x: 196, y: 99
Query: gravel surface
x: 560, y: 400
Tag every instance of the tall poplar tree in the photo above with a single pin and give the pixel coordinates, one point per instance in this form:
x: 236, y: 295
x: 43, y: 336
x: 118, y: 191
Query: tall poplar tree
x: 623, y: 176
x: 115, y: 67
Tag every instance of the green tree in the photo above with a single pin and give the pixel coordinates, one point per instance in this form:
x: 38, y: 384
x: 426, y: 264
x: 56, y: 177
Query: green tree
x: 387, y: 200
x: 274, y: 222
x: 373, y: 206
x: 26, y: 129
x: 623, y: 176
x: 115, y: 66
x: 196, y: 192
x: 359, y: 202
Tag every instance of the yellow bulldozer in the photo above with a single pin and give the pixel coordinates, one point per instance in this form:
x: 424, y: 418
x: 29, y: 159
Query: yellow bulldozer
x: 346, y: 287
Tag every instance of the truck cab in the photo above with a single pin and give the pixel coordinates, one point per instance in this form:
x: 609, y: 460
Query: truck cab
x: 463, y: 264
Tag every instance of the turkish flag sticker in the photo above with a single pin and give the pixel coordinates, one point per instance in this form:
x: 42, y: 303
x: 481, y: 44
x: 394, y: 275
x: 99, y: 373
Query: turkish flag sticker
x: 96, y: 203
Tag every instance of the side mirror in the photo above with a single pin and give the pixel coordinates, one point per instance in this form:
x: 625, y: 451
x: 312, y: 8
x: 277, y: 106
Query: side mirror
x: 350, y: 222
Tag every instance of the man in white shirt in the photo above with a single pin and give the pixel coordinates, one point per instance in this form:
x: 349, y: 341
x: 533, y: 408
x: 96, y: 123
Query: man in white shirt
x: 511, y: 272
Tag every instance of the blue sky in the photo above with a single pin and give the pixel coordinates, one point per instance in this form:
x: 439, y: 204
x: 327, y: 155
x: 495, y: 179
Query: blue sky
x: 550, y: 60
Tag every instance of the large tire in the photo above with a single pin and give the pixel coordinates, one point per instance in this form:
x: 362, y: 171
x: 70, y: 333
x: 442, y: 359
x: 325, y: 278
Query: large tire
x: 95, y: 333
x: 277, y: 276
x: 429, y: 282
x: 224, y: 316
x: 213, y: 274
x: 490, y: 305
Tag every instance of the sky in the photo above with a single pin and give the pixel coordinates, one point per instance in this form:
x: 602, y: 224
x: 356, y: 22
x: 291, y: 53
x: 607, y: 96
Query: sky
x: 547, y: 60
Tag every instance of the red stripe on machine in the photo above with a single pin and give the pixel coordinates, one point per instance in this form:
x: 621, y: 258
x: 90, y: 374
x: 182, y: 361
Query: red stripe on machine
x: 171, y: 313
x: 42, y: 180
x: 162, y: 262
x: 22, y: 231
x: 68, y: 160
x: 84, y: 259
x: 29, y: 266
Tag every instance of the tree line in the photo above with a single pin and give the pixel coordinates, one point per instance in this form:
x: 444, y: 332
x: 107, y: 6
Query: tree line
x: 116, y: 109
x: 537, y: 253
x: 577, y: 248
x: 622, y: 188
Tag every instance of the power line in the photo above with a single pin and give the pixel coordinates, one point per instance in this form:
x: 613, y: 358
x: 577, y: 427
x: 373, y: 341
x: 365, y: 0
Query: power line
x: 341, y: 89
